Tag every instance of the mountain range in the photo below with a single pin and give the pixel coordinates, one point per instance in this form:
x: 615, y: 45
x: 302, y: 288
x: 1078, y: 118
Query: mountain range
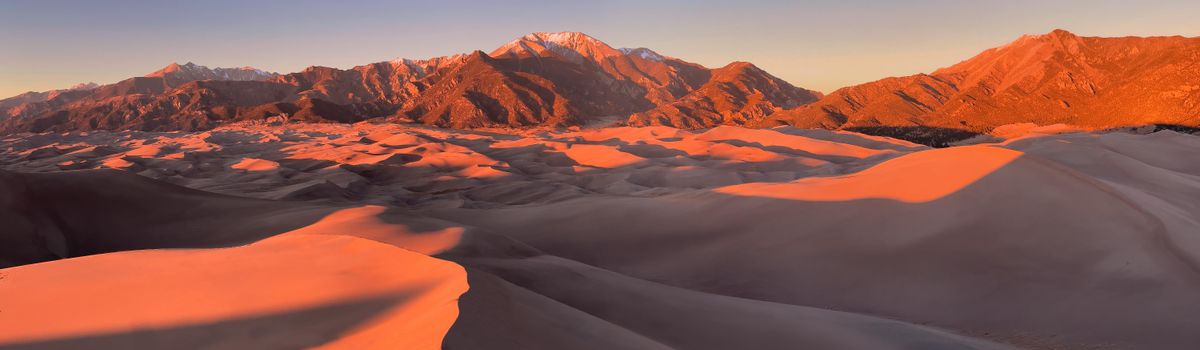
x: 1057, y: 77
x: 570, y: 78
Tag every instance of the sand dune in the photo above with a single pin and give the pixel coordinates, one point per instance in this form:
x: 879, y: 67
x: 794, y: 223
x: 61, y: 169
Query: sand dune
x: 284, y: 292
x: 639, y: 238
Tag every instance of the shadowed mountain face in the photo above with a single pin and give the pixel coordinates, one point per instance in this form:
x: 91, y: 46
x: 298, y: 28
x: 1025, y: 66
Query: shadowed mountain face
x: 177, y: 97
x: 34, y: 97
x: 1057, y: 77
x: 737, y: 94
x: 481, y: 91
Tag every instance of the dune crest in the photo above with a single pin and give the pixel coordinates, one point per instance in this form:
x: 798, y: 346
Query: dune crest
x: 371, y: 222
x: 251, y: 164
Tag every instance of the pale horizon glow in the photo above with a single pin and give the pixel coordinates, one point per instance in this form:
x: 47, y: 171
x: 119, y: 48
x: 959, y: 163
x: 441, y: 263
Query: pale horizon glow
x: 53, y: 44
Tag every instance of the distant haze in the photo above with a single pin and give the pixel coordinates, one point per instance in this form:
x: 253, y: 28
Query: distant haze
x: 51, y: 44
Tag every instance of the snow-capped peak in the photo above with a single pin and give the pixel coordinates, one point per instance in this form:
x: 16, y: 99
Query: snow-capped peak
x: 426, y: 66
x: 191, y: 71
x: 564, y: 38
x: 574, y: 46
x: 642, y: 52
x: 84, y: 86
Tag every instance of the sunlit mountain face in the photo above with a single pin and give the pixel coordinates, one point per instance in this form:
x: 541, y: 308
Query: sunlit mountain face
x: 1046, y: 79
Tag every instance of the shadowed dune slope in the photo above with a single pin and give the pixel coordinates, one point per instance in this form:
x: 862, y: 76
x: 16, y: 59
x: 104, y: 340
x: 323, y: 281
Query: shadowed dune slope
x: 60, y: 215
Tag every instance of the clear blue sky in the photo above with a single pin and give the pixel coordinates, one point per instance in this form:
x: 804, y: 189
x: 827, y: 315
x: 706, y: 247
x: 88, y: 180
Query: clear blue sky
x: 47, y: 44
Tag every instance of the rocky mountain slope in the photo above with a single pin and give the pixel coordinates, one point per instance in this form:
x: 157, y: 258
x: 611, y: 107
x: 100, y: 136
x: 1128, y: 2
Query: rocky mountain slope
x: 1057, y: 77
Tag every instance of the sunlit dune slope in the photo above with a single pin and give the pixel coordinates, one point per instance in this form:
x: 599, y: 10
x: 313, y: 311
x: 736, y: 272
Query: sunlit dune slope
x: 306, y: 291
x: 919, y: 177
